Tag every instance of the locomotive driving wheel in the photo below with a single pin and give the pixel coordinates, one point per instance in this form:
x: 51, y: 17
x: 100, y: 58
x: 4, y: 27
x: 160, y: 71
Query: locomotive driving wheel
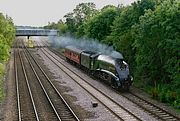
x: 114, y: 83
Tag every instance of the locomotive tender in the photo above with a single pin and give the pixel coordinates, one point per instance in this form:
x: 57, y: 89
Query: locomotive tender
x: 115, y: 71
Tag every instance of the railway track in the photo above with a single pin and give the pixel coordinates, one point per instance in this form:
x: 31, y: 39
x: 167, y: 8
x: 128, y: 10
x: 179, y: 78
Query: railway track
x: 152, y: 109
x: 16, y: 81
x: 57, y: 102
x: 119, y: 111
x: 37, y: 100
x: 45, y: 108
x: 29, y: 109
x: 25, y: 102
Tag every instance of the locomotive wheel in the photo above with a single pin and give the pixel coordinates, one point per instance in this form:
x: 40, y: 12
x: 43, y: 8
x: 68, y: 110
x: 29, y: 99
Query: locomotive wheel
x: 114, y: 84
x: 97, y: 74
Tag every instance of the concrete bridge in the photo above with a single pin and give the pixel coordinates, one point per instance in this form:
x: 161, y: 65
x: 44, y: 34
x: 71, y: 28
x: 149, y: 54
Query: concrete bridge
x: 36, y: 32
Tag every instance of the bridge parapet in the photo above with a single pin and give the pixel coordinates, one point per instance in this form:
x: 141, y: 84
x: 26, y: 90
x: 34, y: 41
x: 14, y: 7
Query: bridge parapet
x: 36, y: 32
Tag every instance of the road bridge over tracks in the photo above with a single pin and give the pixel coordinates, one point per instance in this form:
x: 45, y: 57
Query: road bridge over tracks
x: 35, y: 32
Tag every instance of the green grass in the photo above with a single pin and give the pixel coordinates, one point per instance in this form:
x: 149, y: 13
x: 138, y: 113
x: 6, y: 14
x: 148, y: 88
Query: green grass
x: 1, y: 81
x: 162, y: 93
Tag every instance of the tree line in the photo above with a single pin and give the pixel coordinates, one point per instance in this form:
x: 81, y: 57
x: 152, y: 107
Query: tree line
x: 147, y: 32
x: 7, y: 35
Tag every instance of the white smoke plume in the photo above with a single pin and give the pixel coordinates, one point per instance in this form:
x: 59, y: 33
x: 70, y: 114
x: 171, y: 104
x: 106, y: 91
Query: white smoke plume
x: 85, y: 44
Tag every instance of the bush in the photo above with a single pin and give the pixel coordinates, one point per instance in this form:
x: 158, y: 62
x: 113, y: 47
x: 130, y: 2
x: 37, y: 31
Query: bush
x: 165, y: 94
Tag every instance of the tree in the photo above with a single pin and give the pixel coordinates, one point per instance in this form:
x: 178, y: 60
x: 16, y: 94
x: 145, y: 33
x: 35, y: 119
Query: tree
x: 83, y: 12
x: 122, y: 35
x: 99, y: 26
x: 70, y: 22
x: 80, y: 15
x: 157, y: 44
x: 7, y: 35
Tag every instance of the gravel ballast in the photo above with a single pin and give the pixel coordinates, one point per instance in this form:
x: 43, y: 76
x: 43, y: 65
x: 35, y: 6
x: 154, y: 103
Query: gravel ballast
x: 76, y: 96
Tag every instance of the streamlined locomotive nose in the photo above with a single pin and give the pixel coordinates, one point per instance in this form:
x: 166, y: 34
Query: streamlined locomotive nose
x: 123, y: 73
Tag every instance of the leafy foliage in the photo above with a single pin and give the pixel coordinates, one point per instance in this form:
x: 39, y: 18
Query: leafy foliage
x: 80, y: 14
x: 157, y: 49
x: 7, y: 35
x: 122, y: 35
x: 99, y: 26
x: 1, y: 82
x: 75, y: 21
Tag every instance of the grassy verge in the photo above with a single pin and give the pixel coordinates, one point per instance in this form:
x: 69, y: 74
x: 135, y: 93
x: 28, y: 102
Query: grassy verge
x: 162, y: 93
x: 1, y: 81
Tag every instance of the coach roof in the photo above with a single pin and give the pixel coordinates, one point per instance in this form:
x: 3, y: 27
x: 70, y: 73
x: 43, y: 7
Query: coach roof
x: 74, y: 49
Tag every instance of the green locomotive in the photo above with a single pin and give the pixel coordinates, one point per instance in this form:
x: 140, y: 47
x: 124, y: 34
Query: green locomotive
x: 115, y: 71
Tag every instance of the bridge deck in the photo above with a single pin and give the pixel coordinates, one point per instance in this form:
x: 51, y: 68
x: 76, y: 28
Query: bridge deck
x: 36, y: 32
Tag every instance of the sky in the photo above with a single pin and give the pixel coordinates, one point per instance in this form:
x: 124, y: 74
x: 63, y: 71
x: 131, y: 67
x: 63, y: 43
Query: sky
x: 40, y: 12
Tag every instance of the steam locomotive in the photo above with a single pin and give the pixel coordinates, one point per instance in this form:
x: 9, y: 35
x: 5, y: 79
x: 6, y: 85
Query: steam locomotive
x: 114, y: 71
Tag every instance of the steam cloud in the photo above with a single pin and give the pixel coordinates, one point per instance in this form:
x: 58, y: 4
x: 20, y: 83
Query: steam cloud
x: 85, y: 44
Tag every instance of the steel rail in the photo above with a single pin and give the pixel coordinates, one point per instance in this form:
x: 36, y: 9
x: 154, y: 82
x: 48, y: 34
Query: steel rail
x: 17, y: 87
x: 44, y: 90
x: 153, y: 109
x: 76, y: 118
x: 29, y: 89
